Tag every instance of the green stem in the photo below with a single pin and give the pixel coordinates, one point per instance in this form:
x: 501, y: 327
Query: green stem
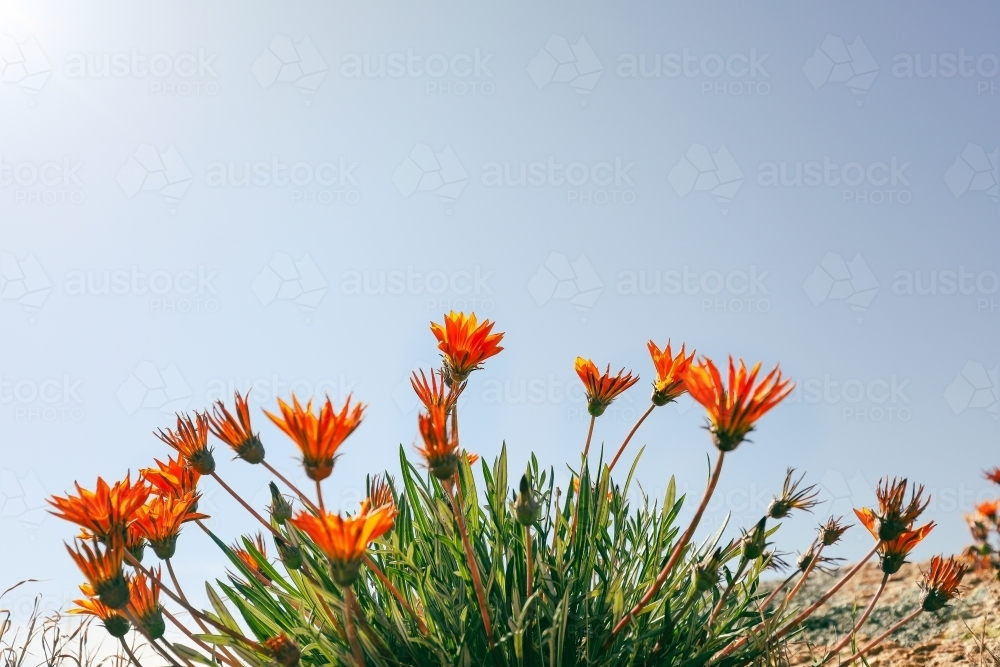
x: 878, y: 640
x: 857, y: 626
x: 245, y: 505
x: 352, y: 635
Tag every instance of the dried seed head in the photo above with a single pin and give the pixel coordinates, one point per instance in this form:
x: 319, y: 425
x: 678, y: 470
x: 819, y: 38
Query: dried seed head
x: 792, y: 498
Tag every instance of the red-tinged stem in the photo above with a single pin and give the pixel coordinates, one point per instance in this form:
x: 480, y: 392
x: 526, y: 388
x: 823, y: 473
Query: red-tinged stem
x: 194, y: 612
x: 805, y: 575
x: 586, y: 450
x: 319, y: 497
x: 245, y: 505
x: 878, y: 640
x: 621, y: 450
x: 128, y: 651
x: 373, y: 566
x: 675, y: 555
x: 352, y: 635
x: 305, y: 501
x: 826, y: 596
x: 477, y: 581
x: 152, y: 642
x: 225, y: 656
x: 857, y: 626
x: 729, y: 589
x: 529, y: 564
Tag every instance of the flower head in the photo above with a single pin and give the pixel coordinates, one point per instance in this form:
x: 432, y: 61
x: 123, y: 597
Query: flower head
x: 172, y: 478
x: 465, y: 344
x: 792, y: 498
x: 893, y: 553
x: 191, y: 442
x: 344, y: 541
x: 144, y: 603
x: 440, y: 450
x: 283, y: 650
x: 733, y: 409
x: 159, y: 521
x: 670, y: 372
x: 248, y: 559
x: 831, y: 531
x: 235, y: 431
x: 104, y: 513
x: 379, y: 492
x: 116, y: 624
x: 989, y: 508
x: 993, y: 475
x: 602, y: 389
x: 318, y: 436
x: 432, y: 392
x: 103, y: 570
x: 895, y: 514
x: 941, y: 583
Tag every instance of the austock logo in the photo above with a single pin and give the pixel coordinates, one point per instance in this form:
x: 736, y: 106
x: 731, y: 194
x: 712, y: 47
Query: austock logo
x: 974, y: 170
x: 561, y: 62
x: 975, y: 387
x: 738, y: 292
x: 286, y: 62
x: 328, y: 182
x: 148, y: 170
x: 23, y: 64
x: 183, y: 75
x: 457, y: 74
x: 732, y: 75
x: 836, y: 280
x: 148, y: 387
x: 284, y: 279
x: 425, y: 170
x: 23, y: 498
x: 53, y: 399
x: 24, y: 282
x: 702, y: 171
x: 49, y: 182
x: 836, y: 62
x: 559, y: 279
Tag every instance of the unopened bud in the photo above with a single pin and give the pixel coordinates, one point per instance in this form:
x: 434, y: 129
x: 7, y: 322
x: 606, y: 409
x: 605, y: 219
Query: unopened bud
x: 754, y: 541
x: 290, y: 554
x: 281, y: 509
x: 526, y: 507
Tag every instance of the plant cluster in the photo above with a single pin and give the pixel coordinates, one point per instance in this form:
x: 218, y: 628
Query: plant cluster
x: 433, y: 570
x: 984, y: 525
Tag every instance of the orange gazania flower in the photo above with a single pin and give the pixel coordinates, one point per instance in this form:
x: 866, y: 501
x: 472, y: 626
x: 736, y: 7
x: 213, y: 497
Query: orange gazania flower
x: 283, y: 650
x: 159, y: 521
x: 734, y: 408
x: 893, y: 552
x: 941, y: 583
x: 116, y: 624
x: 993, y: 475
x: 318, y: 436
x: 379, y: 492
x: 103, y: 570
x: 601, y: 389
x: 440, y: 449
x: 248, y: 559
x: 472, y: 456
x: 989, y: 508
x: 465, y: 344
x: 895, y: 514
x: 191, y: 442
x: 103, y: 513
x: 345, y: 541
x: 235, y: 431
x: 172, y: 478
x: 670, y: 373
x: 144, y: 603
x: 431, y: 392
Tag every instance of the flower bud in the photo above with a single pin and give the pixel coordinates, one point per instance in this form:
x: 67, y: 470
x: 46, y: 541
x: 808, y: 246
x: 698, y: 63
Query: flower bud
x: 526, y: 507
x: 281, y: 509
x: 706, y: 572
x: 284, y: 650
x: 753, y: 542
x: 153, y: 625
x: 290, y: 554
x: 117, y: 626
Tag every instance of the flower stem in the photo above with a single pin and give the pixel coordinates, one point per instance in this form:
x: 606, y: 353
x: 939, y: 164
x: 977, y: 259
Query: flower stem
x: 194, y: 612
x: 305, y: 501
x: 225, y: 657
x: 373, y: 566
x: 857, y: 626
x: 152, y: 642
x: 621, y: 450
x: 725, y: 594
x: 878, y: 640
x: 245, y: 505
x: 352, y: 635
x: 529, y: 564
x: 675, y: 555
x: 319, y: 497
x: 477, y: 581
x: 586, y: 450
x: 590, y: 434
x: 826, y: 596
x: 128, y: 651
